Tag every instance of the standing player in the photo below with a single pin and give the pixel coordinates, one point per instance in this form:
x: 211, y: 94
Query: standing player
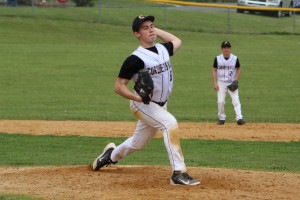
x: 153, y: 116
x: 226, y: 69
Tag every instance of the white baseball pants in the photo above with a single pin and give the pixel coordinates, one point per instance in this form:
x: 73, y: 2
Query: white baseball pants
x: 152, y: 118
x: 221, y: 101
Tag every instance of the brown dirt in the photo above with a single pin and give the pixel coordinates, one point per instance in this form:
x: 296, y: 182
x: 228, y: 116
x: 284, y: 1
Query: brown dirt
x: 148, y: 182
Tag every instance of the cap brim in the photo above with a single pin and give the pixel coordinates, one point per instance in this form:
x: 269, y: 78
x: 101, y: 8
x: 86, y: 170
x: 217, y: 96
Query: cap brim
x: 149, y: 18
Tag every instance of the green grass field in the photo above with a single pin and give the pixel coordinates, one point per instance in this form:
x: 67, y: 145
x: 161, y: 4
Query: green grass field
x: 62, y: 64
x: 62, y: 69
x: 17, y: 197
x: 29, y: 150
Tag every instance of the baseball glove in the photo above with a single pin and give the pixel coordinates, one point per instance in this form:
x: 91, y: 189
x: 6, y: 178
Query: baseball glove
x: 144, y: 86
x: 233, y: 86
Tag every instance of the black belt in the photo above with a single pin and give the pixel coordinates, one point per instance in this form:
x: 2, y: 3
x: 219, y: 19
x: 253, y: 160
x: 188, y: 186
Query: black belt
x: 160, y: 103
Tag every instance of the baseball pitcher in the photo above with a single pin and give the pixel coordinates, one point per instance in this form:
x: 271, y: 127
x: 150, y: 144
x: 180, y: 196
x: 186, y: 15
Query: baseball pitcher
x: 150, y: 69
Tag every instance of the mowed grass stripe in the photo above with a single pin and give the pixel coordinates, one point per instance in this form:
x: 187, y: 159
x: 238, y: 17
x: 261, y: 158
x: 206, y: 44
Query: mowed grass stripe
x: 30, y: 150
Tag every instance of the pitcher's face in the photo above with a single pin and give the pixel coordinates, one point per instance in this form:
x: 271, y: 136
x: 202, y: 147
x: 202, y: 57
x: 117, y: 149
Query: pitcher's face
x: 146, y: 32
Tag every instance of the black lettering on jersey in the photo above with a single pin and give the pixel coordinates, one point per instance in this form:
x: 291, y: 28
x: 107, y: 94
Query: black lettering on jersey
x: 225, y: 67
x: 160, y: 68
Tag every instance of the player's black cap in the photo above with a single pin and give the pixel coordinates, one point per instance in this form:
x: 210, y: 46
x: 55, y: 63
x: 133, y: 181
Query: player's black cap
x: 137, y: 22
x: 225, y: 44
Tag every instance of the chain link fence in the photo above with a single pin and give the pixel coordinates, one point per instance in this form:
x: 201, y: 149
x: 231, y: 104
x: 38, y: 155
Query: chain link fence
x: 212, y: 18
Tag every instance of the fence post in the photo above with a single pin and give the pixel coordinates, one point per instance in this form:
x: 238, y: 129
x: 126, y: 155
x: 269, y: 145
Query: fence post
x: 165, y: 16
x: 33, y: 7
x: 294, y: 26
x: 99, y: 11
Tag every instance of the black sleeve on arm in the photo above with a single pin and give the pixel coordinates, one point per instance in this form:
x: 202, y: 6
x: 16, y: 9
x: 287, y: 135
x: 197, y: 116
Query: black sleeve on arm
x: 237, y: 64
x: 131, y: 65
x: 215, y: 63
x: 169, y: 46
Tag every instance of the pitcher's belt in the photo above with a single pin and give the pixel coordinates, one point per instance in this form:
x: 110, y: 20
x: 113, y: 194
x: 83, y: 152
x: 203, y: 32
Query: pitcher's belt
x: 160, y: 103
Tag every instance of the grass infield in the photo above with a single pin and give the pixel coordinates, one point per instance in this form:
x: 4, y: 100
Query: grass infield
x: 30, y: 150
x: 64, y: 69
x: 18, y: 197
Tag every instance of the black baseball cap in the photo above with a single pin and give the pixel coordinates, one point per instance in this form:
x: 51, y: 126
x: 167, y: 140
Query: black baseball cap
x: 137, y: 22
x: 225, y: 44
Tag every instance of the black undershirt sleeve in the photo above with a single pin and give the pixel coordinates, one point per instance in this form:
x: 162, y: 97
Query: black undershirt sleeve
x: 215, y: 63
x: 131, y: 66
x: 169, y: 46
x: 237, y: 64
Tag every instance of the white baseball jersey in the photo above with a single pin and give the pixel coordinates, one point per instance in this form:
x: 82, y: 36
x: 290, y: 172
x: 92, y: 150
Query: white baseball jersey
x: 160, y: 69
x: 226, y: 68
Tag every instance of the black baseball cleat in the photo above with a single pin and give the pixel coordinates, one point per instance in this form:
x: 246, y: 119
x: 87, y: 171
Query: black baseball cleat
x: 221, y: 122
x: 240, y: 122
x: 182, y: 178
x: 104, y: 158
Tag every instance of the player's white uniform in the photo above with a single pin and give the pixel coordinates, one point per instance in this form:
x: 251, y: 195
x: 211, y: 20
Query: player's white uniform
x: 154, y: 117
x: 226, y: 71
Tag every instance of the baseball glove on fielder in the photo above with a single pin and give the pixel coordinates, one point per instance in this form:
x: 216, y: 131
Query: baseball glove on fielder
x: 144, y: 86
x: 233, y: 86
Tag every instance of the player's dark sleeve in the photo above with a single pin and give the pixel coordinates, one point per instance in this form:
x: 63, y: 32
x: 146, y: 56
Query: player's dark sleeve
x: 215, y: 65
x: 131, y: 66
x: 237, y: 64
x: 169, y: 46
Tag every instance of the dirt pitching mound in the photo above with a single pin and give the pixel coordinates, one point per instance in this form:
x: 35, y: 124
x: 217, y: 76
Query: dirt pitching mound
x: 149, y: 182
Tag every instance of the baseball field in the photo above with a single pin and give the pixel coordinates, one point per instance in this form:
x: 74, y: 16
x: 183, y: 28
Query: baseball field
x: 58, y: 109
x: 255, y: 161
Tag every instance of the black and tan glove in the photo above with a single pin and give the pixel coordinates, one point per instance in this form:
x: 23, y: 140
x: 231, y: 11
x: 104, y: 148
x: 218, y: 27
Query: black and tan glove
x: 233, y: 86
x: 144, y: 86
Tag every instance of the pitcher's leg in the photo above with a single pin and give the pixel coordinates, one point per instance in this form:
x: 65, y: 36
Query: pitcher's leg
x: 165, y: 121
x: 173, y: 147
x: 138, y: 141
x: 159, y: 118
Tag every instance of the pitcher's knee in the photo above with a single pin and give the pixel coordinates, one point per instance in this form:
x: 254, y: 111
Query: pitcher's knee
x: 172, y: 123
x: 136, y: 146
